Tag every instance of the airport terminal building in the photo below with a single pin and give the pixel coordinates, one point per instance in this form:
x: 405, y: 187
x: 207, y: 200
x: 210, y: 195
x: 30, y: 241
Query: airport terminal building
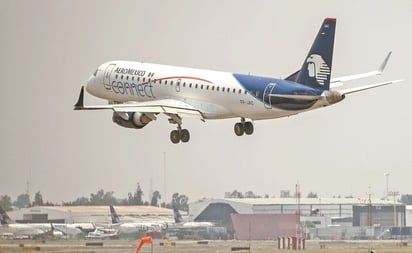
x: 254, y: 218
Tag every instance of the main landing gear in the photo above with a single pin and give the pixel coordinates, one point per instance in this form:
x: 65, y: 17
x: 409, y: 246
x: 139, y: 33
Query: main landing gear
x: 179, y: 135
x: 183, y: 135
x: 243, y: 127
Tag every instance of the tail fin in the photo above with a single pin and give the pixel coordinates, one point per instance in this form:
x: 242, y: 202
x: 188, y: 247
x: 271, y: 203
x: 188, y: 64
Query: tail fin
x: 176, y: 215
x: 317, y: 67
x: 113, y: 214
x: 4, y: 217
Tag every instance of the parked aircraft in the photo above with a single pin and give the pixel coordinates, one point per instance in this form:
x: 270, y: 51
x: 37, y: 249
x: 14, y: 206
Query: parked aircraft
x: 133, y: 227
x: 137, y: 92
x: 103, y: 233
x: 34, y: 229
x: 188, y: 224
x: 8, y: 226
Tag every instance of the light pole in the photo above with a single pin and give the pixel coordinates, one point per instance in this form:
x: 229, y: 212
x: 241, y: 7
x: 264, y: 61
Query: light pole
x: 386, y: 174
x: 395, y: 218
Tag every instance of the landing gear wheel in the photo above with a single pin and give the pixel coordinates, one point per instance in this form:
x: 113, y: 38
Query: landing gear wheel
x: 239, y: 129
x: 184, y: 135
x: 175, y: 136
x: 249, y: 128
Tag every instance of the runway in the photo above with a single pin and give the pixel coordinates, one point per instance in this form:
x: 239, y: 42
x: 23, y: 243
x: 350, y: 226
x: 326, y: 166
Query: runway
x: 128, y: 246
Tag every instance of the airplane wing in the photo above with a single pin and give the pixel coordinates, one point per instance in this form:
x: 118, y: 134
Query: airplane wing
x: 166, y: 106
x: 338, y: 81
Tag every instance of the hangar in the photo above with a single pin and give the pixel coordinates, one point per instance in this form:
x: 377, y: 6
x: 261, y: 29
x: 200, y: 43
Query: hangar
x: 314, y: 213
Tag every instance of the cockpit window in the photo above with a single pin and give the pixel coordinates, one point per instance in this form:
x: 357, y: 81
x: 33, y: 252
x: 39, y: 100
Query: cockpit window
x: 95, y: 73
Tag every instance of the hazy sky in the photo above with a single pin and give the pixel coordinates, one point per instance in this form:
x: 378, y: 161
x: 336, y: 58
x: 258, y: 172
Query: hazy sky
x: 50, y: 48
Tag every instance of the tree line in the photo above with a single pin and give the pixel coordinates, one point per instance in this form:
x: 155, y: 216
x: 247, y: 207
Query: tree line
x: 99, y: 198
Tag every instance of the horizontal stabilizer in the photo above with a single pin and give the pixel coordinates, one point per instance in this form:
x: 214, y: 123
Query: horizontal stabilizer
x: 337, y: 81
x: 367, y: 87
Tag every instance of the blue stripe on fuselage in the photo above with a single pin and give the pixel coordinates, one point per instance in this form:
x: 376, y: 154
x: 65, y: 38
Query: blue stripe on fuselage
x: 256, y: 86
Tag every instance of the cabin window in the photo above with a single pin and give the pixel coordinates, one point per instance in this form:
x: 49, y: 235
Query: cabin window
x: 190, y: 85
x: 132, y: 78
x: 171, y: 83
x: 144, y: 79
x: 223, y: 89
x: 117, y: 76
x: 127, y: 77
x: 217, y: 88
x: 213, y: 88
x: 240, y: 91
x: 184, y: 84
x: 201, y: 86
x: 121, y: 77
x: 196, y: 86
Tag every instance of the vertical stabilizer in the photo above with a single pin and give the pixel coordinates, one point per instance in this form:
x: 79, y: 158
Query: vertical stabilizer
x: 317, y: 67
x: 4, y: 217
x: 113, y: 214
x: 176, y: 215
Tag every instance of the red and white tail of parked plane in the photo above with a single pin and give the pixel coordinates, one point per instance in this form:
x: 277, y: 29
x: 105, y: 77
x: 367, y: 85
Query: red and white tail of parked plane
x: 137, y: 92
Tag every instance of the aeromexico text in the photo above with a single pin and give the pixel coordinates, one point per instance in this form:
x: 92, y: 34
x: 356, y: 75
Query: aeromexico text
x: 130, y: 71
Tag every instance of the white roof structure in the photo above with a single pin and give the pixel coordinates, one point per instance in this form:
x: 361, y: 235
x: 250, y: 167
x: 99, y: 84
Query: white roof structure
x: 333, y: 207
x: 97, y: 214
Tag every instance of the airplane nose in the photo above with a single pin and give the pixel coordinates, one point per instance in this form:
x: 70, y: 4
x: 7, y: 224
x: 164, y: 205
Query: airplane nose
x: 91, y: 85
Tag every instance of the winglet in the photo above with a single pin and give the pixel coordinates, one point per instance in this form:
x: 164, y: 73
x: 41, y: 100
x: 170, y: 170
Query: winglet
x: 385, y: 62
x: 80, y: 102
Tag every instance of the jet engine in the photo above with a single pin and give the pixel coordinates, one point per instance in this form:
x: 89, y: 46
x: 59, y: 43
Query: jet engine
x: 131, y: 119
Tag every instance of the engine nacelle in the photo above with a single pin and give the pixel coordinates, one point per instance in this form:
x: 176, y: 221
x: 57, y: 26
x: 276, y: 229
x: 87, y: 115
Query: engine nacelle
x: 334, y: 96
x: 131, y: 119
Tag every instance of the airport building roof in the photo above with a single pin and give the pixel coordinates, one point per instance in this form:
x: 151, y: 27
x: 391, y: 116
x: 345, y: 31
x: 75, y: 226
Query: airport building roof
x: 333, y: 207
x: 308, y: 201
x: 97, y: 214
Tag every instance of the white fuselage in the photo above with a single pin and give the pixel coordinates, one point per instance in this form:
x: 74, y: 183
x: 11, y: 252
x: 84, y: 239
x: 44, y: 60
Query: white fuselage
x: 216, y: 94
x: 26, y: 229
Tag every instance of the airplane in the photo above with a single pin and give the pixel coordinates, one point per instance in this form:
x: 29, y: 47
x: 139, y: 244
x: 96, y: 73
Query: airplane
x: 9, y: 226
x: 133, y: 227
x: 179, y: 222
x: 103, y: 233
x: 138, y: 92
x: 35, y: 229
